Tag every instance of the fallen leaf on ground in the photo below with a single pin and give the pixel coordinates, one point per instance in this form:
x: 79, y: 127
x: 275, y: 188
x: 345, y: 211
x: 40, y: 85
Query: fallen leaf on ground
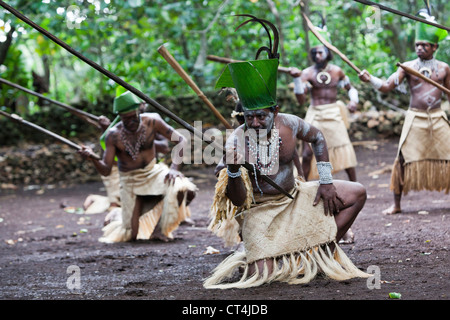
x: 74, y: 210
x: 211, y: 250
x: 395, y: 295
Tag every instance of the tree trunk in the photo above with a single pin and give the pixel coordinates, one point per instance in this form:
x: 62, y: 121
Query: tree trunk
x: 41, y: 84
x: 304, y: 7
x: 5, y: 45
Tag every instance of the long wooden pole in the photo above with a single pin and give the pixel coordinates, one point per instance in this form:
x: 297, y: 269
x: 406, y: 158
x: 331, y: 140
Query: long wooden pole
x: 329, y: 45
x: 177, y: 67
x: 79, y: 113
x: 400, y: 13
x: 228, y: 60
x: 421, y: 76
x: 18, y: 119
x: 132, y: 89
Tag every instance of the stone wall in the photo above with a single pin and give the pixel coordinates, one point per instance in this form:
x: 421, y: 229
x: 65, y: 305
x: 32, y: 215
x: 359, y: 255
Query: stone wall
x: 32, y: 162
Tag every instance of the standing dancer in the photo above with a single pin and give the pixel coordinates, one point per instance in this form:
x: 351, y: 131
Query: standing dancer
x: 323, y: 80
x: 423, y: 157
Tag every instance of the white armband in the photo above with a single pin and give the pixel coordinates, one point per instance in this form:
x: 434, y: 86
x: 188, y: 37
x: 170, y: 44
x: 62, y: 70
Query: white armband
x: 324, y: 169
x: 376, y: 82
x: 353, y: 95
x: 344, y: 82
x: 299, y: 87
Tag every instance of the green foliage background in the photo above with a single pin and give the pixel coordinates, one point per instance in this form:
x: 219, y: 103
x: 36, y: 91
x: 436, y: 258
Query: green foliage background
x: 123, y: 36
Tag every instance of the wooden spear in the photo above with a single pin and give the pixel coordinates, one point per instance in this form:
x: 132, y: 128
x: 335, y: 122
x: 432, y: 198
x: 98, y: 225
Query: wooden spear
x: 228, y: 60
x: 79, y: 113
x: 132, y: 89
x: 18, y: 119
x: 329, y: 45
x: 410, y: 16
x: 421, y: 76
x: 177, y: 67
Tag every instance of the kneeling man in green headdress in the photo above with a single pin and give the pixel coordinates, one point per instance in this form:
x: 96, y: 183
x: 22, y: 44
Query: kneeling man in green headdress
x: 284, y: 239
x: 154, y: 197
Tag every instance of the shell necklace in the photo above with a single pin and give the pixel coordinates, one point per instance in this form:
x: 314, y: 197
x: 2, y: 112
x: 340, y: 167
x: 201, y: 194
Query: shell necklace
x: 426, y: 67
x: 324, y: 73
x: 265, y: 152
x: 126, y: 136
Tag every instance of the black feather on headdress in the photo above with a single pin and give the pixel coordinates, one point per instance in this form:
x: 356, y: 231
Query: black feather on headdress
x: 425, y: 12
x: 272, y: 50
x: 322, y: 18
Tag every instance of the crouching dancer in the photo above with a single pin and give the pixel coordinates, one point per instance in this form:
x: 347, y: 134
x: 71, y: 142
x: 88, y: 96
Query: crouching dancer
x: 284, y: 239
x: 154, y: 197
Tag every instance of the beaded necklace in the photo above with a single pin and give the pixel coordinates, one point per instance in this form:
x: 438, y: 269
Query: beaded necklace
x: 133, y: 150
x: 265, y: 152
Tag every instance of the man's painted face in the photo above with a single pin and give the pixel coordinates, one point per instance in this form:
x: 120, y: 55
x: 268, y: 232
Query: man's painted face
x: 259, y: 119
x: 319, y: 54
x: 425, y: 50
x: 131, y: 120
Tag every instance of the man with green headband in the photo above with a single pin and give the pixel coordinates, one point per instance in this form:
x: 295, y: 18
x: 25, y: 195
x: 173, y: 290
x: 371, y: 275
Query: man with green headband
x: 279, y: 234
x: 154, y: 198
x: 326, y: 112
x: 423, y: 157
x: 95, y: 203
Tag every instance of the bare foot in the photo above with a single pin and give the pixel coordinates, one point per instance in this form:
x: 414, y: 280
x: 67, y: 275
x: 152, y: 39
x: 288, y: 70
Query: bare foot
x: 158, y: 236
x: 348, y: 238
x: 392, y: 210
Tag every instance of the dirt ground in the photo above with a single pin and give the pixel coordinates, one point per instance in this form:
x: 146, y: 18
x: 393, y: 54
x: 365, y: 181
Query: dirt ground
x: 40, y: 243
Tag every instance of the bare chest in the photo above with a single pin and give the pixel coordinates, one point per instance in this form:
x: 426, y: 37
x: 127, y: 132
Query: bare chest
x: 134, y: 143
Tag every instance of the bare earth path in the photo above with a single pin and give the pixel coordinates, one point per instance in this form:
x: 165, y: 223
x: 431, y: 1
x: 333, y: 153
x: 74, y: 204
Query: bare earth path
x: 39, y: 242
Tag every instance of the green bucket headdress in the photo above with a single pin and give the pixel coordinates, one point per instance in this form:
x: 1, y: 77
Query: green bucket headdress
x: 255, y: 81
x: 429, y: 33
x: 125, y: 101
